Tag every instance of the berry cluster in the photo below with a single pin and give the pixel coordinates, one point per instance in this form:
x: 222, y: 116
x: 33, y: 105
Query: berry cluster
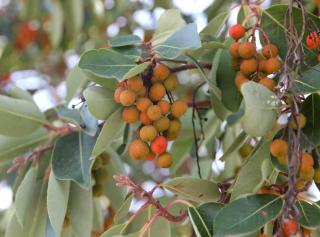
x: 279, y: 149
x: 144, y: 100
x: 251, y: 64
x: 100, y: 174
x: 313, y: 42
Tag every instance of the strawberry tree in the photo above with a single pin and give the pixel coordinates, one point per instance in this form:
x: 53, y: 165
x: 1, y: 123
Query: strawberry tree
x: 225, y: 121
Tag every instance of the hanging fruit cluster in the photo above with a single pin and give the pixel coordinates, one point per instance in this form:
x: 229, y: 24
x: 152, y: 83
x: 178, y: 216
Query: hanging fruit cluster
x: 313, y: 42
x: 250, y: 64
x: 100, y: 174
x: 144, y: 101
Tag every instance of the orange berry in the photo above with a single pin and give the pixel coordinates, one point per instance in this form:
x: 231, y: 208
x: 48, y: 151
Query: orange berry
x: 270, y: 50
x: 165, y: 160
x: 282, y: 160
x: 268, y: 82
x: 157, y: 91
x: 302, y: 122
x: 272, y: 65
x: 237, y: 31
x: 173, y: 130
x: 306, y: 161
x: 144, y: 118
x: 148, y: 133
x: 127, y: 98
x: 117, y: 93
x: 233, y: 49
x: 279, y: 148
x: 138, y: 150
x: 240, y: 79
x: 290, y: 228
x: 154, y: 112
x: 143, y: 104
x: 159, y: 145
x: 235, y: 63
x: 164, y: 106
x: 178, y: 108
x: 262, y: 65
x: 130, y: 114
x: 306, y: 232
x: 171, y: 83
x: 247, y: 50
x: 162, y: 124
x: 142, y: 92
x: 135, y: 83
x: 248, y: 66
x: 161, y: 72
x: 307, y: 173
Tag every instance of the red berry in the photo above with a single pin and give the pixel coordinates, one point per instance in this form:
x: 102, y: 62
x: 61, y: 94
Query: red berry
x: 159, y: 145
x: 237, y: 31
x: 311, y: 42
x: 290, y: 228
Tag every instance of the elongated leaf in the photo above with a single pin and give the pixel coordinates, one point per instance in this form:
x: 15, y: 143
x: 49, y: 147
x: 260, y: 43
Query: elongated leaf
x: 10, y: 147
x: 19, y: 117
x: 236, y: 144
x: 74, y: 11
x: 262, y: 103
x: 250, y: 176
x: 194, y: 189
x: 311, y: 110
x: 216, y: 24
x: 18, y: 93
x: 122, y: 212
x: 230, y: 95
x: 71, y: 158
x: 101, y: 103
x: 75, y: 81
x: 182, y: 40
x: 80, y: 210
x: 56, y: 23
x: 170, y: 21
x: 310, y: 213
x: 202, y: 218
x: 136, y: 70
x: 111, y: 128
x: 106, y: 63
x: 247, y: 215
x: 124, y: 40
x: 57, y: 201
x: 309, y: 82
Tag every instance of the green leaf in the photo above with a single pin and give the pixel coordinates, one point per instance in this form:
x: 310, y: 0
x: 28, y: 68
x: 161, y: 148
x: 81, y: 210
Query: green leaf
x: 18, y: 93
x: 311, y: 110
x: 71, y: 158
x: 106, y: 63
x: 111, y: 129
x: 100, y: 101
x: 57, y: 201
x: 80, y: 210
x: 27, y: 196
x: 124, y: 40
x: 136, y: 70
x: 129, y: 51
x: 236, y: 144
x: 11, y: 147
x: 309, y: 82
x: 310, y: 214
x: 36, y: 220
x: 169, y: 22
x: 230, y: 95
x: 202, y: 218
x: 182, y: 40
x: 56, y: 23
x: 194, y: 189
x: 216, y: 24
x: 261, y: 103
x: 98, y: 215
x: 122, y: 212
x: 75, y: 82
x: 74, y: 12
x: 247, y: 215
x: 19, y: 117
x: 273, y: 23
x: 108, y: 83
x: 250, y: 176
